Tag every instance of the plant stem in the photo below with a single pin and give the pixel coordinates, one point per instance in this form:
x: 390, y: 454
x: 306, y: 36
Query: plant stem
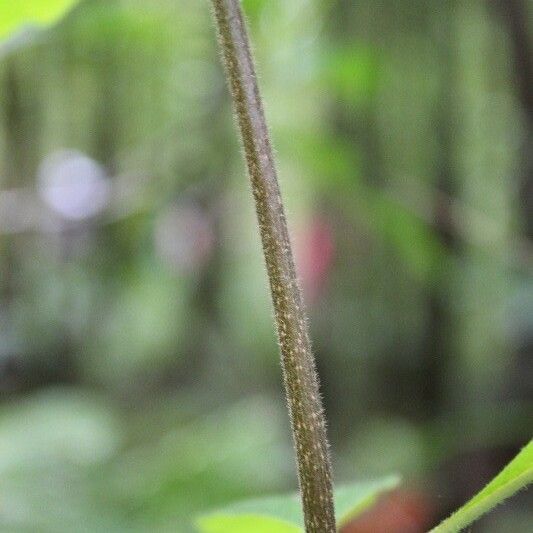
x: 300, y: 377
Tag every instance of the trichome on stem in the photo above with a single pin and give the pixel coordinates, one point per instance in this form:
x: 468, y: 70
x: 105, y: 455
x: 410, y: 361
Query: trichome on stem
x: 300, y: 377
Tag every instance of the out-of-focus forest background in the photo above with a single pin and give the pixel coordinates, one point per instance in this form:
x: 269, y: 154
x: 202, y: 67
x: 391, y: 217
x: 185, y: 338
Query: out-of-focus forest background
x: 139, y: 373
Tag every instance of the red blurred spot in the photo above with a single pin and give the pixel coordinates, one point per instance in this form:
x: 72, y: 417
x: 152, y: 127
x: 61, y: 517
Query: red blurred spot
x: 314, y: 256
x: 402, y: 511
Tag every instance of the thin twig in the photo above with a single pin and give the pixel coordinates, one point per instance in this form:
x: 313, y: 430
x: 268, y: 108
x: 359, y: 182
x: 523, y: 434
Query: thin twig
x: 301, y: 383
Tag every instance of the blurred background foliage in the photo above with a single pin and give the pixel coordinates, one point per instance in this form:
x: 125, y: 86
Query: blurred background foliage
x: 139, y: 373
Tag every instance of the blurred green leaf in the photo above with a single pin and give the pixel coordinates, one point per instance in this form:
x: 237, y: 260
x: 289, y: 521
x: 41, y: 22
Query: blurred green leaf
x: 202, y: 459
x: 53, y: 448
x: 282, y: 514
x: 244, y: 524
x: 414, y: 240
x: 516, y: 475
x: 56, y: 427
x: 352, y: 73
x: 14, y: 15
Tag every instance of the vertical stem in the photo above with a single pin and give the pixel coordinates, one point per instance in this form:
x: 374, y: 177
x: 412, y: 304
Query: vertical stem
x: 301, y: 383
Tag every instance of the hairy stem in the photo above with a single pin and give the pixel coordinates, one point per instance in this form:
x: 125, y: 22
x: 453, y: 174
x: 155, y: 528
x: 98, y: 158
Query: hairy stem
x: 301, y: 383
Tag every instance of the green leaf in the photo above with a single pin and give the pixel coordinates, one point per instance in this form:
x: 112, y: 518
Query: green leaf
x: 221, y: 523
x: 516, y: 475
x: 16, y: 14
x: 283, y: 514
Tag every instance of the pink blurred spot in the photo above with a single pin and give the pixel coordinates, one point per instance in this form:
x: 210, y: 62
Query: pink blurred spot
x: 314, y: 256
x: 184, y: 237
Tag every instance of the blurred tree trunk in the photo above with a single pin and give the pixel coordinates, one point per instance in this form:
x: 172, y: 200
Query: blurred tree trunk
x: 516, y: 17
x: 436, y: 360
x: 402, y: 150
x: 14, y: 166
x: 23, y: 366
x: 486, y: 153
